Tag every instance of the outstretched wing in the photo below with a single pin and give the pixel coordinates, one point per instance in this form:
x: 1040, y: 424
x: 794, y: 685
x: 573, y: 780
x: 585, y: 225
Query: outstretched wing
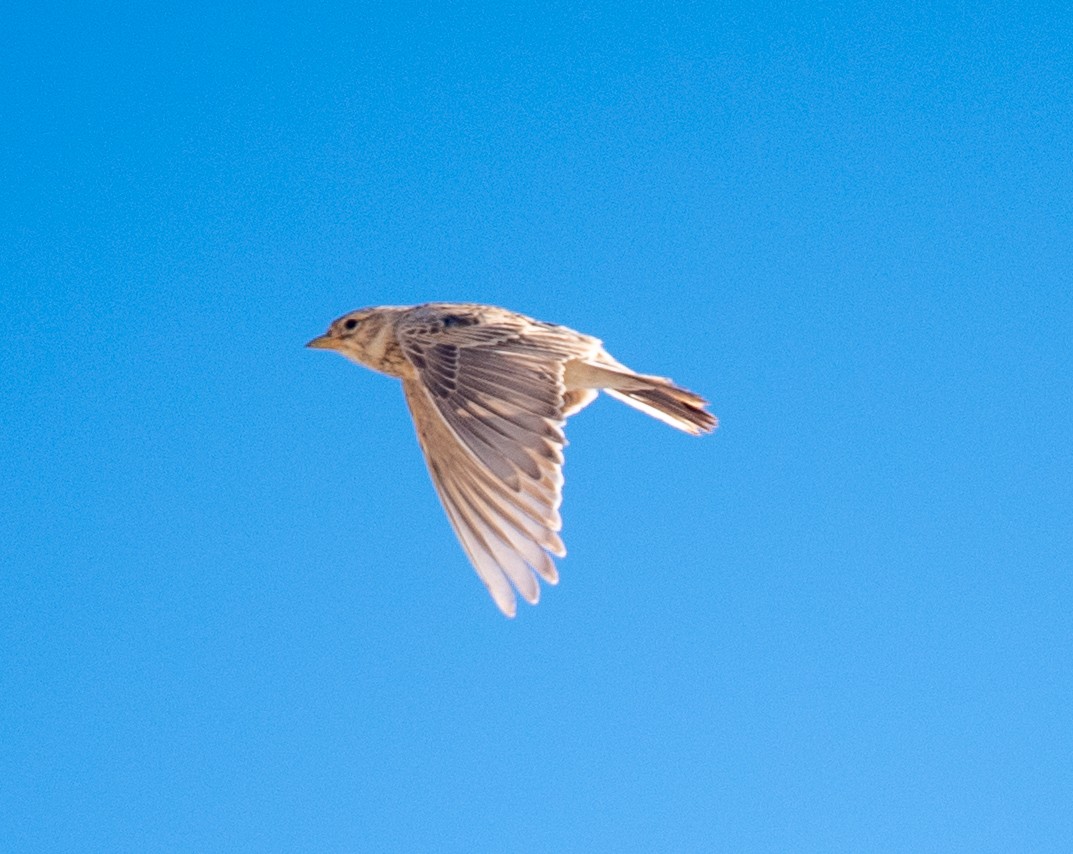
x: 487, y: 401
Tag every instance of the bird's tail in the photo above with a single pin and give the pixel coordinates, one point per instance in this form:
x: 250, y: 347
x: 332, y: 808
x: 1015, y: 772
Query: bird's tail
x: 655, y: 396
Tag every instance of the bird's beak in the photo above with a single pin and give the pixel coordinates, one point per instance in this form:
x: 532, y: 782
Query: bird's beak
x: 322, y: 342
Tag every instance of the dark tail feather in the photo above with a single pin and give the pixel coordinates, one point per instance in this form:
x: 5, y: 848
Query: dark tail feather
x: 670, y: 404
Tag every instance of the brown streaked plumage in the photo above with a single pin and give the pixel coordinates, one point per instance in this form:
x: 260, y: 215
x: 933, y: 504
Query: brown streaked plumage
x: 490, y: 391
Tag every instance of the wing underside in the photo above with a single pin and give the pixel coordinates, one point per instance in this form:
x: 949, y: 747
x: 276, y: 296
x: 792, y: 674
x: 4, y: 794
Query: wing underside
x: 489, y: 417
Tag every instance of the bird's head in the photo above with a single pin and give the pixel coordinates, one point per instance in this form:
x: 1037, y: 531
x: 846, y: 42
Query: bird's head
x: 351, y: 334
x: 367, y: 336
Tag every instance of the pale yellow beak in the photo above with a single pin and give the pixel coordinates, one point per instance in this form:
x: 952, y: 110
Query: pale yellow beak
x: 322, y: 342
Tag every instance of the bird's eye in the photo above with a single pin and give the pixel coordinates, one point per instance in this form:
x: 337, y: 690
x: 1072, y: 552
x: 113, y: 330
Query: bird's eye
x: 350, y: 323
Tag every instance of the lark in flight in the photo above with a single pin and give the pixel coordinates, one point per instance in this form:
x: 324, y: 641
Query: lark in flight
x: 489, y: 391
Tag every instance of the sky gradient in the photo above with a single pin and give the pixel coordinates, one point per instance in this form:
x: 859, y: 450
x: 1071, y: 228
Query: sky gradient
x: 234, y: 615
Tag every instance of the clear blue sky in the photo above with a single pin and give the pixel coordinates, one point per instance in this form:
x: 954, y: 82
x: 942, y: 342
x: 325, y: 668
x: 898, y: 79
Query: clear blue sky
x: 234, y: 617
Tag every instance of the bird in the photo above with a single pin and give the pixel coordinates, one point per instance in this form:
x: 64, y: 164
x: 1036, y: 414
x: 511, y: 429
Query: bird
x: 489, y: 391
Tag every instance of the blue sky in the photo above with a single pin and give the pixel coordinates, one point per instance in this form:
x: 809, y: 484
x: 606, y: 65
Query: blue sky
x: 234, y: 616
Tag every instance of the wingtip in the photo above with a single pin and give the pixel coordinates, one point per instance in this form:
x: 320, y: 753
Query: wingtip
x: 508, y: 607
